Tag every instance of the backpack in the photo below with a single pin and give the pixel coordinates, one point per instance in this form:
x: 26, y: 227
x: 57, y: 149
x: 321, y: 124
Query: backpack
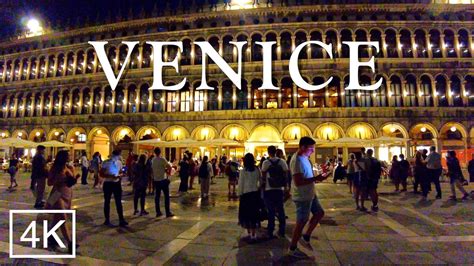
x: 108, y: 167
x: 276, y: 174
x: 203, y: 172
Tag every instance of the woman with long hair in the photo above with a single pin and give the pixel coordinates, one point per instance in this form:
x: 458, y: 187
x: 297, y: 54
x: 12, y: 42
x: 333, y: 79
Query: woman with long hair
x: 62, y: 178
x: 140, y: 184
x: 455, y: 175
x: 249, y: 197
x: 420, y: 175
x: 13, y: 170
x: 395, y: 173
x: 350, y: 172
x: 95, y: 166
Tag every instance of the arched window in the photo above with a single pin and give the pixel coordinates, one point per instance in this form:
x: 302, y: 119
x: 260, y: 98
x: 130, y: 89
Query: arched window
x: 80, y: 62
x: 227, y: 93
x: 390, y: 41
x: 319, y: 95
x: 470, y: 89
x: 420, y: 44
x: 97, y: 97
x: 213, y: 97
x: 350, y: 95
x: 242, y: 96
x: 361, y: 36
x: 132, y: 99
x: 172, y: 101
x: 456, y: 91
x: 396, y: 91
x: 411, y: 98
x: 108, y: 100
x: 303, y: 98
x: 86, y: 100
x: 300, y: 37
x: 405, y: 44
x: 426, y: 89
x: 441, y: 91
x: 376, y: 36
x: 257, y: 98
x: 199, y: 101
x: 186, y: 53
x: 157, y: 101
x: 380, y: 93
x: 256, y: 49
x: 228, y: 49
x: 316, y: 50
x: 286, y: 93
x: 364, y: 96
x: 464, y: 43
x: 185, y: 98
x: 435, y: 43
x: 346, y: 36
x: 119, y: 97
x: 449, y: 43
x: 285, y: 46
x: 144, y: 98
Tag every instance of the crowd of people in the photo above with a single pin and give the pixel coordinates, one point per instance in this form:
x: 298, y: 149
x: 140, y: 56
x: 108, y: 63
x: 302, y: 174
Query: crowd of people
x: 261, y: 187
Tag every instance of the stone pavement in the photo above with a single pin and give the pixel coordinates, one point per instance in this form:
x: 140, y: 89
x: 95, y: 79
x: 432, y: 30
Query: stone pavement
x: 404, y: 231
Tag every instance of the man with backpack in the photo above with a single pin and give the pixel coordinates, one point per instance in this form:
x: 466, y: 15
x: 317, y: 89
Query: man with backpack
x: 205, y: 173
x: 374, y: 170
x: 111, y: 172
x: 274, y: 179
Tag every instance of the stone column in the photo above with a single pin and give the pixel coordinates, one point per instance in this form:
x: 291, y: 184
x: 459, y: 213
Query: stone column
x: 65, y: 66
x: 389, y: 94
x: 293, y: 42
x: 60, y: 103
x: 234, y: 97
x: 41, y: 104
x: 125, y: 101
x: 8, y: 108
x: 384, y: 45
x: 74, y: 65
x: 28, y: 70
x: 193, y: 53
x: 294, y: 97
x: 46, y: 67
x: 4, y: 74
x: 449, y: 92
x: 341, y: 93
x: 70, y: 102
x: 219, y: 97
x: 95, y: 65
x: 434, y: 94
x: 81, y: 102
x: 20, y: 70
x: 428, y: 44
x: 399, y: 48
x: 308, y: 48
x: 369, y: 50
x: 150, y: 100
x: 278, y: 40
x: 32, y: 106
x: 37, y: 69
x: 117, y: 59
x: 404, y: 92
x: 84, y: 64
x: 140, y: 56
x: 15, y: 106
x: 102, y: 100
x: 55, y: 68
x: 221, y: 47
x: 50, y: 107
x: 465, y: 98
x: 456, y: 45
x: 114, y: 102
x: 248, y: 52
x: 471, y: 44
x: 414, y: 46
x: 443, y: 45
x: 264, y: 99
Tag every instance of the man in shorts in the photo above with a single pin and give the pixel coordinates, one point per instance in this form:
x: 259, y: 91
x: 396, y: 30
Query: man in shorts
x: 304, y: 196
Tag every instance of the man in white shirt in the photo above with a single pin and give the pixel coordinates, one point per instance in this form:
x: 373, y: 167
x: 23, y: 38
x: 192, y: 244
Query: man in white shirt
x: 84, y: 162
x: 274, y: 169
x: 433, y: 163
x: 113, y: 185
x: 160, y: 167
x: 304, y: 196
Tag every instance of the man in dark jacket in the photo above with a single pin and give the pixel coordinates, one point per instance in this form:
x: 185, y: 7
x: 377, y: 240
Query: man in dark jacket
x: 39, y: 174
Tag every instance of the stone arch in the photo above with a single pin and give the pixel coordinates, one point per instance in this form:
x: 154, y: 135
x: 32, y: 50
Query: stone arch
x: 145, y: 131
x: 121, y: 132
x: 175, y: 132
x: 204, y: 132
x: 295, y: 131
x: 392, y: 128
x: 361, y: 130
x: 328, y: 131
x: 55, y: 134
x: 235, y: 132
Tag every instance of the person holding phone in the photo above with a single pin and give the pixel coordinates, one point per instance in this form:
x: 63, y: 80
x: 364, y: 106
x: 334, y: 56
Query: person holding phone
x: 304, y: 196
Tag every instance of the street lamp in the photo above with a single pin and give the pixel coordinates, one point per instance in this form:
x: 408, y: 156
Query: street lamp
x: 34, y: 27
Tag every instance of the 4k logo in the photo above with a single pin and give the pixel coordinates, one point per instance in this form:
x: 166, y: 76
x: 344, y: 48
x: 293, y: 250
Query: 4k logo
x: 31, y: 237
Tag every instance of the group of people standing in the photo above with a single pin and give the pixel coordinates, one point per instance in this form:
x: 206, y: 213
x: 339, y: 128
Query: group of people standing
x: 266, y: 184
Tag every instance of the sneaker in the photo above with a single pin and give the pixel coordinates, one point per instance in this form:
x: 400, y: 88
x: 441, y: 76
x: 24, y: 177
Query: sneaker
x: 306, y: 243
x: 297, y: 253
x: 143, y: 213
x: 169, y: 215
x: 375, y: 208
x: 159, y: 214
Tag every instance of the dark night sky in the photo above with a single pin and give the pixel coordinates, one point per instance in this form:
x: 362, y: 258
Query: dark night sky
x: 59, y: 12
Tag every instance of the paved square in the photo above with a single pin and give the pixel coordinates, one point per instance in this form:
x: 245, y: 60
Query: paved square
x: 404, y: 231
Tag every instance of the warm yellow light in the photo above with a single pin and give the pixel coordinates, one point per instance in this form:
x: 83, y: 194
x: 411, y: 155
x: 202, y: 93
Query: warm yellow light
x: 20, y: 134
x: 38, y: 134
x: 176, y: 132
x: 77, y: 133
x: 56, y: 133
x: 3, y: 134
x: 393, y: 129
x: 99, y: 132
x: 148, y: 132
x: 453, y: 129
x: 34, y: 27
x: 423, y: 129
x: 72, y: 140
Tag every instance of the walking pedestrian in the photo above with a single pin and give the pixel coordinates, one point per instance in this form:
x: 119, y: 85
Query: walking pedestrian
x: 374, y: 171
x: 62, y: 178
x: 404, y: 172
x: 183, y: 174
x: 360, y: 181
x: 395, y: 173
x: 39, y: 174
x: 470, y: 169
x: 421, y: 177
x: 13, y: 170
x: 111, y: 170
x: 140, y: 183
x: 249, y: 197
x: 304, y: 196
x: 84, y: 163
x: 433, y: 163
x: 193, y: 169
x: 95, y: 166
x: 151, y: 185
x: 455, y: 175
x: 205, y: 174
x: 160, y: 166
x: 350, y: 172
x: 274, y: 179
x: 232, y: 172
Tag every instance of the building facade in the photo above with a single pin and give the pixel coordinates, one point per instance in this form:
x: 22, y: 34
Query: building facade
x: 52, y: 86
